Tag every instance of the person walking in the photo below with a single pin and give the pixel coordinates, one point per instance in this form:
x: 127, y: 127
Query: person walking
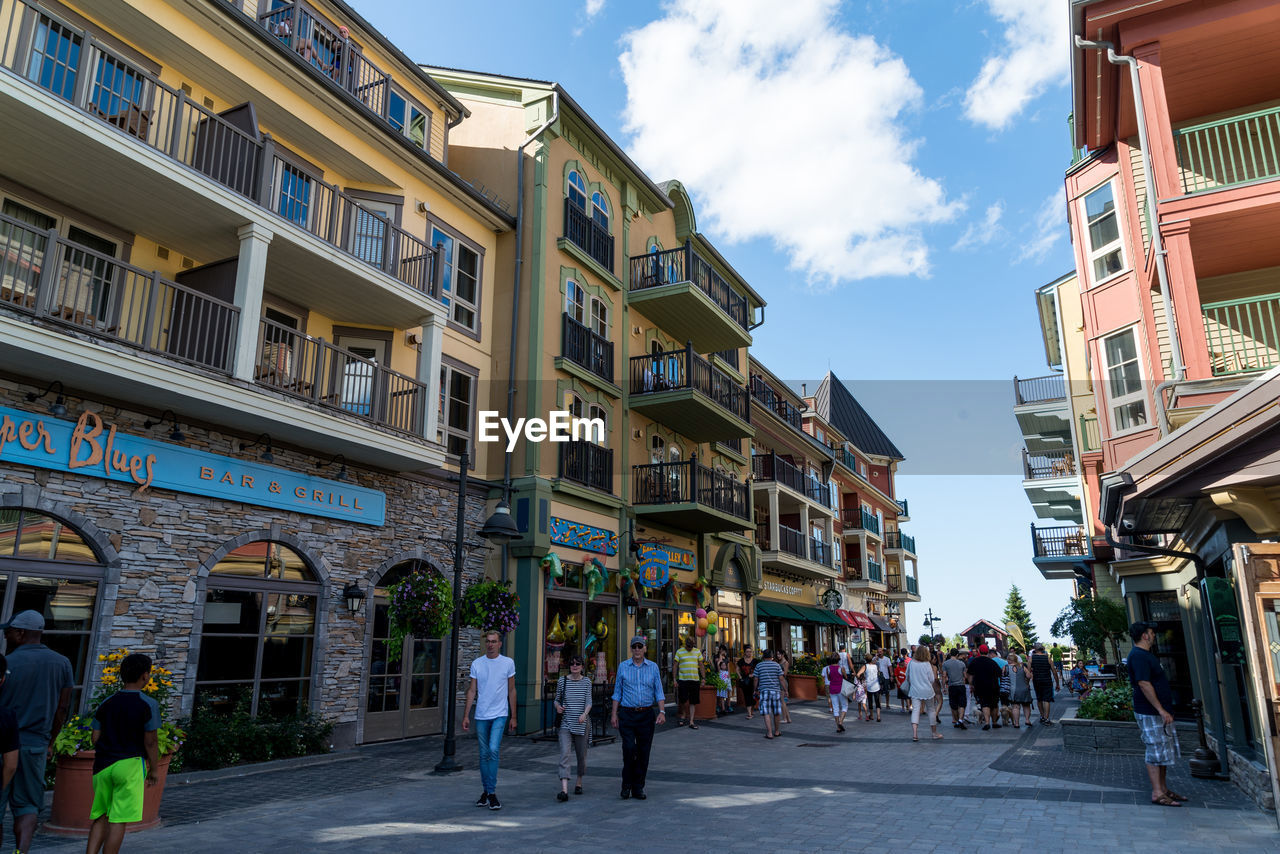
x: 768, y: 677
x: 984, y: 676
x: 1152, y: 699
x: 954, y: 670
x: 723, y: 702
x: 637, y: 692
x: 900, y: 681
x: 1055, y: 656
x: 887, y: 683
x: 1018, y: 673
x: 686, y: 672
x: 835, y: 690
x: 1042, y: 681
x: 846, y: 667
x: 492, y: 692
x: 784, y: 661
x: 746, y: 682
x: 573, y: 703
x: 126, y: 745
x: 870, y: 671
x: 920, y: 678
x: 38, y: 692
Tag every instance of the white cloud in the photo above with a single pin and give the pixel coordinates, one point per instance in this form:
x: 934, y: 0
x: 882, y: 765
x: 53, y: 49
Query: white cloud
x: 593, y: 7
x: 982, y: 233
x: 786, y: 127
x: 1049, y: 226
x: 1034, y: 56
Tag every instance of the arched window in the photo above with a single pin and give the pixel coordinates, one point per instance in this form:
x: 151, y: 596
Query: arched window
x: 257, y: 645
x: 575, y: 300
x: 600, y: 210
x: 47, y: 567
x: 657, y: 449
x: 577, y: 190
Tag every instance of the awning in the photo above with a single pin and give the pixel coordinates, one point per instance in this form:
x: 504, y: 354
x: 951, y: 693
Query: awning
x: 879, y: 623
x: 860, y: 620
x: 847, y: 617
x: 778, y: 610
x: 810, y: 614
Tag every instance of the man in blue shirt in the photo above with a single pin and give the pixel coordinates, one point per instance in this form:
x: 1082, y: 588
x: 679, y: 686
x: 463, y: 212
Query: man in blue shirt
x: 1152, y: 700
x: 635, y: 694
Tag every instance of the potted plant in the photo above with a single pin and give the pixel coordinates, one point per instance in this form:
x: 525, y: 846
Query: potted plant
x: 73, y: 747
x: 803, y: 678
x: 421, y: 606
x: 711, y: 683
x: 490, y: 605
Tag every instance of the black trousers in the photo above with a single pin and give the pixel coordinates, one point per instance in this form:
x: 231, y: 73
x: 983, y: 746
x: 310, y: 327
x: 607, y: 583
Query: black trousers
x: 636, y: 730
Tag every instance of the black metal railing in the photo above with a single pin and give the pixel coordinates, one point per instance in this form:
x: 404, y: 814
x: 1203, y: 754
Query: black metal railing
x: 1039, y: 389
x: 899, y: 540
x: 315, y: 370
x: 771, y: 467
x: 45, y: 275
x: 820, y: 552
x: 790, y: 541
x: 688, y: 481
x: 734, y: 445
x: 100, y: 83
x: 729, y: 357
x: 1048, y: 466
x: 859, y: 517
x: 584, y: 346
x: 903, y: 509
x: 775, y: 402
x: 588, y: 235
x: 1060, y: 542
x: 684, y: 369
x: 588, y: 464
x: 684, y: 264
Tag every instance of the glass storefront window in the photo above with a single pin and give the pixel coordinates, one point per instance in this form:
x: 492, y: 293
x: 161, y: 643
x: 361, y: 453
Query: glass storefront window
x: 601, y: 642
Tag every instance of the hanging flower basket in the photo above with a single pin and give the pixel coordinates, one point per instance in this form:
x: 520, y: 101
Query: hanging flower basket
x: 421, y: 605
x: 491, y: 606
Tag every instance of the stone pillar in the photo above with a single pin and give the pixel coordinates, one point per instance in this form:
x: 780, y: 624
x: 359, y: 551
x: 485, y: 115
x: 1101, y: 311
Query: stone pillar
x: 429, y: 372
x: 251, y: 273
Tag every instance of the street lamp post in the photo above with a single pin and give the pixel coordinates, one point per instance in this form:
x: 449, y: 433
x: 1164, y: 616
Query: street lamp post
x: 499, y: 528
x: 930, y: 619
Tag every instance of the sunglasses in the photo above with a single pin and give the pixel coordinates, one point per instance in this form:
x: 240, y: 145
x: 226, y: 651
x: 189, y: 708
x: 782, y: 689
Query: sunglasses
x: 637, y: 646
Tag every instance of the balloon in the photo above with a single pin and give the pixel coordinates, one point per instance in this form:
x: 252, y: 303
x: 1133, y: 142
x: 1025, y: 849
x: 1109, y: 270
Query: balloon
x: 712, y: 628
x: 701, y: 632
x: 702, y: 624
x: 700, y: 613
x: 711, y: 617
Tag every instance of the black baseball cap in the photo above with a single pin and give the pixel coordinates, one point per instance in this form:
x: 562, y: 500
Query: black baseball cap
x: 1138, y: 629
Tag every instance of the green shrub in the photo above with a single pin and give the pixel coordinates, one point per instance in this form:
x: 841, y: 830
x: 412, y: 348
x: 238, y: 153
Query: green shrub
x: 216, y: 740
x: 1111, y: 703
x: 806, y: 665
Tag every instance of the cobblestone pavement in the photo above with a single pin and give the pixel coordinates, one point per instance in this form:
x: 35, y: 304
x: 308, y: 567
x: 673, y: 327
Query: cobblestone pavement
x: 722, y: 787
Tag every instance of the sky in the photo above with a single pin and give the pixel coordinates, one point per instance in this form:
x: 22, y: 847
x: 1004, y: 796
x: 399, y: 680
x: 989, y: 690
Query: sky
x: 887, y: 174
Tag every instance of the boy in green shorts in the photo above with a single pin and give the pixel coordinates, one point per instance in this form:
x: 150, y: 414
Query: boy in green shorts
x: 126, y: 741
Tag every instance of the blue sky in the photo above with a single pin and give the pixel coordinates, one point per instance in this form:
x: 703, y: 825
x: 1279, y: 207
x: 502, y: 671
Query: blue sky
x: 886, y: 173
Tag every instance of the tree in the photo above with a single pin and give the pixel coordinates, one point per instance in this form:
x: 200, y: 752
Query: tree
x: 956, y: 641
x: 1015, y: 611
x: 1092, y: 622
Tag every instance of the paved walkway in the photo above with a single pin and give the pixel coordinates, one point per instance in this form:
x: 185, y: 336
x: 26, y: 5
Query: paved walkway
x: 721, y: 788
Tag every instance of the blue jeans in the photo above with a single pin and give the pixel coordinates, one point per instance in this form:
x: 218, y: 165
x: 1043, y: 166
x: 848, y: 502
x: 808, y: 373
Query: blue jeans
x: 489, y: 734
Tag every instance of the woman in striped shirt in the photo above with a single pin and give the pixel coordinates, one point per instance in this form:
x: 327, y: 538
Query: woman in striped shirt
x: 573, y: 702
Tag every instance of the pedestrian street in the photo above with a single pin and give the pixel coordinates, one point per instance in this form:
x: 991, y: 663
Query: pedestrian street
x: 722, y: 788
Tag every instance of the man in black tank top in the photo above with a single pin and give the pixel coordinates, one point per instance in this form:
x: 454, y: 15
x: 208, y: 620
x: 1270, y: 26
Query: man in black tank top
x: 1042, y: 681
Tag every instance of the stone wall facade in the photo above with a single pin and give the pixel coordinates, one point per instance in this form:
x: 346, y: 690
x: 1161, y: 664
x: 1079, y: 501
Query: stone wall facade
x: 158, y: 547
x: 1118, y: 737
x: 1250, y: 777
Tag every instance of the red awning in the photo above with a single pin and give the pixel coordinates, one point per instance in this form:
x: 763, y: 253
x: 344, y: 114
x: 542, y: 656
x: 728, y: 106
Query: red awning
x: 861, y: 620
x: 847, y: 617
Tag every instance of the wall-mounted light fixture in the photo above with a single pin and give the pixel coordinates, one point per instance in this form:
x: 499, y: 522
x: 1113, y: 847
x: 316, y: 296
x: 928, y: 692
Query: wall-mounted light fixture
x: 342, y: 472
x: 59, y: 406
x: 265, y: 439
x: 354, y: 596
x: 176, y: 434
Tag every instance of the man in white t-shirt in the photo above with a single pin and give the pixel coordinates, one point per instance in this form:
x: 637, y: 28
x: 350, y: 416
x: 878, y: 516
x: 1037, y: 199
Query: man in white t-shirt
x: 493, y: 694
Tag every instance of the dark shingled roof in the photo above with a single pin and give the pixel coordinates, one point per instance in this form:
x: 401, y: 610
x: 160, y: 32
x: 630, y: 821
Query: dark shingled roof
x: 840, y: 408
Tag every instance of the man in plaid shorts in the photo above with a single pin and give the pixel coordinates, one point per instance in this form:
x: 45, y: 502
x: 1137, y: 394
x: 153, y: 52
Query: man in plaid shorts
x: 1152, y: 698
x: 768, y: 676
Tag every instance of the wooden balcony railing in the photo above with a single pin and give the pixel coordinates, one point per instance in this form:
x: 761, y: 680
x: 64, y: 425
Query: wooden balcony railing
x: 688, y: 481
x: 588, y: 235
x: 588, y: 464
x: 1039, y: 389
x: 1048, y: 466
x: 100, y: 83
x: 584, y: 346
x: 686, y: 265
x: 1064, y: 541
x: 680, y: 369
x: 1243, y: 334
x: 775, y: 402
x: 1230, y: 151
x: 45, y: 275
x: 329, y: 376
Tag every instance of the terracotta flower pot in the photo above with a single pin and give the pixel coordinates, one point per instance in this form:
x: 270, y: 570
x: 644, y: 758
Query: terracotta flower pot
x: 73, y: 796
x: 802, y: 687
x: 706, y: 704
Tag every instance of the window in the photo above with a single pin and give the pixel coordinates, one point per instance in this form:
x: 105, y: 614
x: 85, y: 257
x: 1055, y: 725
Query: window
x: 575, y: 301
x: 55, y: 56
x: 657, y: 449
x: 257, y: 644
x: 121, y: 94
x: 1127, y: 398
x: 369, y: 227
x: 23, y: 250
x: 408, y: 118
x: 600, y: 211
x: 1102, y: 233
x: 460, y: 277
x: 599, y: 317
x: 294, y: 203
x: 47, y: 567
x: 457, y: 400
x: 577, y: 191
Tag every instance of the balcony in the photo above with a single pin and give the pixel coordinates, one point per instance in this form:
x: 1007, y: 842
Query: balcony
x: 775, y: 403
x: 1059, y: 551
x: 691, y: 496
x: 1039, y: 389
x: 904, y: 512
x: 1231, y: 151
x: 586, y: 348
x: 901, y: 586
x: 733, y: 446
x: 789, y: 553
x: 771, y: 468
x: 898, y: 541
x: 682, y: 293
x: 872, y: 578
x: 1048, y: 466
x: 587, y: 464
x: 855, y: 519
x: 913, y: 586
x: 160, y: 164
x: 683, y: 390
x: 1243, y: 335
x: 588, y: 235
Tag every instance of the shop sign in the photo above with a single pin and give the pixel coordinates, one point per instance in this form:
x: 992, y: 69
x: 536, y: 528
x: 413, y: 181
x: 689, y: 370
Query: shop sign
x: 654, y: 566
x: 586, y: 538
x: 831, y: 599
x: 784, y: 589
x: 94, y: 448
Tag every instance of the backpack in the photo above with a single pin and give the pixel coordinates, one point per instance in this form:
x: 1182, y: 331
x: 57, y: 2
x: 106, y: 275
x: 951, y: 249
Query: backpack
x: 834, y: 679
